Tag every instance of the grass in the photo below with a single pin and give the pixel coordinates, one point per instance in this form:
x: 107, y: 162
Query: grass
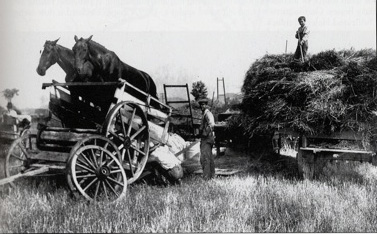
x: 268, y: 196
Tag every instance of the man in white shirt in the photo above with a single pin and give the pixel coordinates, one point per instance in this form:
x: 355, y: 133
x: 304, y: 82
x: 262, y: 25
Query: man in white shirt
x: 207, y: 140
x: 12, y: 111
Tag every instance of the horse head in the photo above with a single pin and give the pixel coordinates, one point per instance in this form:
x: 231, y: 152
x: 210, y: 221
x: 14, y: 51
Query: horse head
x: 82, y: 56
x: 49, y: 57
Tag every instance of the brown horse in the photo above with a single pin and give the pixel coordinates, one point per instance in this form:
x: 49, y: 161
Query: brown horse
x: 54, y: 53
x: 64, y: 57
x: 108, y: 64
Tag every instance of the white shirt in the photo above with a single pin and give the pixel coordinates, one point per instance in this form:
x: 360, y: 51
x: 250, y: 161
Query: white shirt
x: 208, y: 123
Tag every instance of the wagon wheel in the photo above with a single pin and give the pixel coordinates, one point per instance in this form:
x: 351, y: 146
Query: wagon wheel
x: 91, y: 140
x: 18, y: 159
x: 95, y: 170
x: 127, y: 126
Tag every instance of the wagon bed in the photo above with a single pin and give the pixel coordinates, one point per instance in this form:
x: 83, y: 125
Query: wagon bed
x: 315, y: 150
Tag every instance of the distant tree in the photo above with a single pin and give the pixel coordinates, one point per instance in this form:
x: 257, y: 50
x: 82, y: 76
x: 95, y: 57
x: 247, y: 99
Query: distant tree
x: 9, y: 94
x: 199, y: 90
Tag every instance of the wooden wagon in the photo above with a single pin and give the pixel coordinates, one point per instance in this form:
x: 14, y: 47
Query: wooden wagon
x: 314, y: 151
x: 103, y: 143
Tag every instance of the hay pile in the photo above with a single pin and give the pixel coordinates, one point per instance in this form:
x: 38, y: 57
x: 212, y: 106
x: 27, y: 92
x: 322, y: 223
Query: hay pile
x: 333, y: 91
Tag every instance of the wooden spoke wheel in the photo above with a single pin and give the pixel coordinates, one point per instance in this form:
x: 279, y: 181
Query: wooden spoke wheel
x: 127, y: 126
x: 96, y: 173
x: 91, y: 140
x: 18, y: 159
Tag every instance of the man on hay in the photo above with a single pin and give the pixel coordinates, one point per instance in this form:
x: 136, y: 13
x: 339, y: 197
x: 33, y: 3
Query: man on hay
x: 302, y: 34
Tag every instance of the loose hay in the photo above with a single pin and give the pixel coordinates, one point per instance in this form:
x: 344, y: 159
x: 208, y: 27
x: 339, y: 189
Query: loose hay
x: 333, y: 91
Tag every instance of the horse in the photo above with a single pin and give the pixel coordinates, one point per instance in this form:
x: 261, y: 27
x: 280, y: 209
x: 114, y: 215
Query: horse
x: 64, y: 57
x: 109, y: 65
x: 54, y: 53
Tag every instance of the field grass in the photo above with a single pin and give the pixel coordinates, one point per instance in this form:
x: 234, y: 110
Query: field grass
x: 268, y: 196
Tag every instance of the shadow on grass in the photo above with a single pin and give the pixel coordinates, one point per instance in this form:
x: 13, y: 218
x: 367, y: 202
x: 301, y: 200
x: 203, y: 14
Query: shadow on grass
x: 272, y: 164
x: 355, y: 172
x: 331, y: 172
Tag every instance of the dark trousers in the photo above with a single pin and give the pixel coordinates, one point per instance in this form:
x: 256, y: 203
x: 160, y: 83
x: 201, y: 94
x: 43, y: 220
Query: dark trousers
x: 207, y: 159
x: 297, y: 54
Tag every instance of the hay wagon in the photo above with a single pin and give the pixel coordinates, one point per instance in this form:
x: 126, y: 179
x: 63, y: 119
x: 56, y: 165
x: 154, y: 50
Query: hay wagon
x: 102, y: 144
x: 314, y: 151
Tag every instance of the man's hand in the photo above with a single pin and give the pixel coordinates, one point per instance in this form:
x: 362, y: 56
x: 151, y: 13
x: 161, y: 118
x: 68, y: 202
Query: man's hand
x: 301, y: 42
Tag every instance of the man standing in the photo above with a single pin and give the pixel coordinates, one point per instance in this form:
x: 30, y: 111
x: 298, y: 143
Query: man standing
x: 207, y: 140
x: 302, y: 35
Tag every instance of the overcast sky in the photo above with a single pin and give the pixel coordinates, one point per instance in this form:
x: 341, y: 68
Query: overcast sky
x: 176, y: 42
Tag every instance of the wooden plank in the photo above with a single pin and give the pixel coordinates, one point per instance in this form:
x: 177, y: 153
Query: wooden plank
x: 123, y: 96
x: 72, y: 130
x: 51, y: 156
x: 121, y: 91
x: 175, y: 102
x: 26, y: 174
x: 317, y: 150
x: 346, y: 135
x: 53, y: 136
x: 348, y: 157
x: 45, y: 85
x: 59, y: 167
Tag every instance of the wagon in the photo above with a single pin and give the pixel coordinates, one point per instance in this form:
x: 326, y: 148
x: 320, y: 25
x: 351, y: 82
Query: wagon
x: 102, y: 144
x: 315, y: 150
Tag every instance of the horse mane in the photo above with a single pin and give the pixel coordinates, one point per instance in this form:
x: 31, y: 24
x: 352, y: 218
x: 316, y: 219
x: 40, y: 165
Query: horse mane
x: 63, y: 48
x: 98, y: 46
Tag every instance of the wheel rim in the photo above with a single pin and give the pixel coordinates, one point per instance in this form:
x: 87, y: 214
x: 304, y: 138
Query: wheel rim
x: 127, y: 126
x: 90, y: 140
x: 18, y: 158
x: 97, y: 174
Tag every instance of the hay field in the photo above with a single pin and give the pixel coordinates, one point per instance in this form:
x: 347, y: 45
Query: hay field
x: 268, y: 196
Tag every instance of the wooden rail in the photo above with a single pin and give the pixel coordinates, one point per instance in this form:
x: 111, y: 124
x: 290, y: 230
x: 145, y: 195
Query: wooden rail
x: 70, y: 84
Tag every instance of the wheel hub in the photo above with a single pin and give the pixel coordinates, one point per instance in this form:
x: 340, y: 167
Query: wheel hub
x: 103, y: 172
x: 127, y: 142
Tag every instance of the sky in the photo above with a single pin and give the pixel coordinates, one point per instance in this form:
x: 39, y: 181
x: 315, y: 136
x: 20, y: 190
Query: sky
x: 176, y: 42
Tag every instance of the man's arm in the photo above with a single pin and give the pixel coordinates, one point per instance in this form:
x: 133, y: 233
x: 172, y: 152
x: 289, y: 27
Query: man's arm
x: 210, y: 119
x: 305, y: 33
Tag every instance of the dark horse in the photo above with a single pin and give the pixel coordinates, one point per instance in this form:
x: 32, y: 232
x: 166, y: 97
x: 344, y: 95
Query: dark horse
x: 108, y: 64
x: 55, y: 53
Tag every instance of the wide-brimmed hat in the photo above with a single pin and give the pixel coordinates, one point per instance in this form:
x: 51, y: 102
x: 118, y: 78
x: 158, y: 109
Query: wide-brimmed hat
x: 203, y: 100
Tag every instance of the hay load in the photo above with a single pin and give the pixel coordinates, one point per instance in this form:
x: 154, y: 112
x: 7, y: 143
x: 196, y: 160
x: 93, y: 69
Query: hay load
x: 333, y: 91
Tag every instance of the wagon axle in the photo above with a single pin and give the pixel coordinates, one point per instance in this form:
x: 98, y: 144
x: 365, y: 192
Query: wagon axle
x: 127, y: 142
